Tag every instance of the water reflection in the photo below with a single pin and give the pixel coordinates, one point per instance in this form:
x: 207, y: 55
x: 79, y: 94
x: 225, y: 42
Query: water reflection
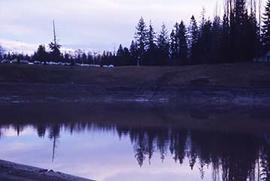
x: 237, y: 156
x: 231, y: 154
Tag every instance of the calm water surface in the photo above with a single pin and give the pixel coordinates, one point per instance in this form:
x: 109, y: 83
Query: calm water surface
x: 117, y: 147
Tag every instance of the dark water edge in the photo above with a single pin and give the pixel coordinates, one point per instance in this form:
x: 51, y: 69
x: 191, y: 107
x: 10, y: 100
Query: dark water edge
x: 190, y: 95
x: 232, y: 118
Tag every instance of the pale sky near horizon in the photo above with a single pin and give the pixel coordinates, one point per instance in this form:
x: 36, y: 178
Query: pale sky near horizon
x: 93, y: 25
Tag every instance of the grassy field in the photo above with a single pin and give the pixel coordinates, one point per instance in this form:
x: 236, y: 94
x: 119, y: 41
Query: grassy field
x: 223, y: 75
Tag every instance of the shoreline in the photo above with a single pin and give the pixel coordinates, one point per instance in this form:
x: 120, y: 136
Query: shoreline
x: 228, y: 84
x: 12, y: 171
x: 13, y: 93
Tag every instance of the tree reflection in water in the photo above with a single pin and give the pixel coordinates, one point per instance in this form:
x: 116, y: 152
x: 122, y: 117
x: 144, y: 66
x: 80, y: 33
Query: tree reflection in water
x: 234, y: 156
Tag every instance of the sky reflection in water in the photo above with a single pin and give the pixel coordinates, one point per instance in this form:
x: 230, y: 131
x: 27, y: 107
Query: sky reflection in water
x: 95, y: 154
x: 160, y: 143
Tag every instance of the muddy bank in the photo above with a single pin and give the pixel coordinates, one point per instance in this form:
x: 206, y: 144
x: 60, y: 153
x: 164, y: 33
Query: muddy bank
x: 225, y: 84
x: 14, y: 172
x: 11, y: 93
x: 246, y: 75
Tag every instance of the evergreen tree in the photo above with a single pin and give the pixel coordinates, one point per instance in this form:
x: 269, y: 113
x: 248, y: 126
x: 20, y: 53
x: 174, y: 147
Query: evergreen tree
x: 41, y: 54
x: 120, y: 51
x: 225, y: 55
x: 83, y: 58
x: 151, y: 39
x: 134, y: 53
x: 141, y: 39
x: 240, y: 12
x: 173, y: 45
x: 123, y: 57
x: 266, y: 28
x: 204, y: 43
x: 216, y: 41
x: 127, y: 57
x: 252, y: 44
x: 239, y: 18
x: 163, y: 45
x: 90, y: 58
x: 182, y: 43
x: 55, y: 51
x: 193, y: 40
x: 1, y: 52
x: 176, y: 41
x: 78, y: 54
x: 151, y: 47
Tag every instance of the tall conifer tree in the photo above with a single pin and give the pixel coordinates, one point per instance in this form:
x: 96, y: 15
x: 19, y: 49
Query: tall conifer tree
x: 266, y: 28
x: 141, y: 39
x: 163, y: 45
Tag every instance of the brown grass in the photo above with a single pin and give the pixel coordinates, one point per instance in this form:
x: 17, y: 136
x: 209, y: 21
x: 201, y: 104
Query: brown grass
x: 227, y: 75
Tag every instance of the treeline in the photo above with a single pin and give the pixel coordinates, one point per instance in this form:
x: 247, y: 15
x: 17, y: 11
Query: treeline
x: 237, y: 36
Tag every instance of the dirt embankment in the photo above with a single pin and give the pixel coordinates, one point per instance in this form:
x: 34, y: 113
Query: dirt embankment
x: 225, y: 75
x: 225, y: 83
x: 13, y: 172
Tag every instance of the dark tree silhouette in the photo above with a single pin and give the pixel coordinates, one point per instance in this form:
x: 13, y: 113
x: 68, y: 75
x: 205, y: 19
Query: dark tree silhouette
x: 55, y: 53
x: 179, y: 45
x: 151, y: 54
x: 134, y: 53
x: 173, y: 45
x: 151, y: 39
x: 141, y: 40
x: 123, y: 57
x: 41, y: 54
x: 266, y: 28
x: 204, y: 43
x: 182, y: 51
x: 163, y: 45
x: 2, y: 51
x: 225, y: 56
x: 216, y: 41
x: 193, y: 40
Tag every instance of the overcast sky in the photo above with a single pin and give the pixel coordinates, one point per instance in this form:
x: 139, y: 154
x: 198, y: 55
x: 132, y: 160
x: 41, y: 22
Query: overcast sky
x: 94, y: 25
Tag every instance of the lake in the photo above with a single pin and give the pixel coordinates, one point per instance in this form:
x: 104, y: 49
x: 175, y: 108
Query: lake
x: 139, y: 141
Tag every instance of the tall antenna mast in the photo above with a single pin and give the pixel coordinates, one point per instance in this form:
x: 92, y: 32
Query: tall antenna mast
x: 54, y: 34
